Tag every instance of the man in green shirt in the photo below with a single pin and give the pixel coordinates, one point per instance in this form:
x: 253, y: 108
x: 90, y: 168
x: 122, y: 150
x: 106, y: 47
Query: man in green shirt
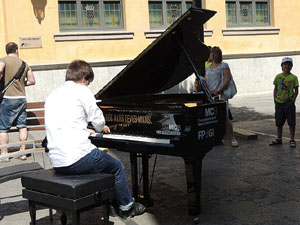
x: 285, y: 94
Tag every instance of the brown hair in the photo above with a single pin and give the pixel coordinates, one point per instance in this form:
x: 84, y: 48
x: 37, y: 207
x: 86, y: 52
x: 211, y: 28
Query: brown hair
x: 11, y: 47
x: 78, y: 69
x: 217, y: 54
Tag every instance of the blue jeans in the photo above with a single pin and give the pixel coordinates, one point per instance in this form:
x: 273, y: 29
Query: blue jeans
x: 12, y: 112
x: 98, y: 161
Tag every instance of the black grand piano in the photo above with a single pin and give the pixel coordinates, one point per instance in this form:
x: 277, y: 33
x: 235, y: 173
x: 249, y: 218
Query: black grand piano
x: 144, y: 121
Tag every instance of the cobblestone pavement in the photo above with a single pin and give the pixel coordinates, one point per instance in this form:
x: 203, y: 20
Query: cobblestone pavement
x: 254, y: 184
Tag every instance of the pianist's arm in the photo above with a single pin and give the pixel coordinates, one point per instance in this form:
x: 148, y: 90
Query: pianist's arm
x: 95, y: 117
x: 92, y: 131
x: 97, y: 120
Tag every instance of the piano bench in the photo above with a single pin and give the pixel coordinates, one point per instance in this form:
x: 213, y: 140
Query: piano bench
x: 68, y: 193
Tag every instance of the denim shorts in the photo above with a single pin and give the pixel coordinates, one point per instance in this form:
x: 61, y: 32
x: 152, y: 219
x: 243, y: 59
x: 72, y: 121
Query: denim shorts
x: 12, y: 113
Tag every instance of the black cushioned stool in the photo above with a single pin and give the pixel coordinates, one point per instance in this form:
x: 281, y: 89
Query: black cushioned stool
x: 68, y: 193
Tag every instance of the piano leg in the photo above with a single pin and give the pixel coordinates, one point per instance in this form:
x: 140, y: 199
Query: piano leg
x: 145, y: 199
x: 134, y: 175
x: 145, y: 163
x: 193, y: 170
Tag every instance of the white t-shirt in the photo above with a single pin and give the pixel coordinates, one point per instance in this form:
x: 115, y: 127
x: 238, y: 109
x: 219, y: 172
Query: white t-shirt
x: 68, y: 110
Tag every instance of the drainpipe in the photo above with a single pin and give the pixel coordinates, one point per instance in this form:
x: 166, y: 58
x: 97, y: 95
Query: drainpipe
x: 5, y: 20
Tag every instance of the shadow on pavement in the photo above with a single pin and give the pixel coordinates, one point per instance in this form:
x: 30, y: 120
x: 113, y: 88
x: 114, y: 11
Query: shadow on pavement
x: 11, y: 208
x: 247, y: 114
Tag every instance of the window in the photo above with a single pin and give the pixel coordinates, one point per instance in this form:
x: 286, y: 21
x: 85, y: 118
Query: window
x: 248, y: 13
x: 163, y: 13
x: 90, y: 15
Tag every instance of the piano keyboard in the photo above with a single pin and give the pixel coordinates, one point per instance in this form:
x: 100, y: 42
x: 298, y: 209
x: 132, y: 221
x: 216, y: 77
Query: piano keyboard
x: 132, y: 138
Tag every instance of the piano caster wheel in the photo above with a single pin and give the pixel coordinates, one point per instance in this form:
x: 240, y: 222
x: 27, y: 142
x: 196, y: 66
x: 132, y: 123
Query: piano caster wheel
x: 196, y: 220
x: 63, y: 218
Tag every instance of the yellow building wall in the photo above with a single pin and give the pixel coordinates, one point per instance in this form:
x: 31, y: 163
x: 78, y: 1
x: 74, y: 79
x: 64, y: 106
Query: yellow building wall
x: 40, y: 18
x: 24, y: 18
x: 287, y: 18
x: 2, y: 30
x: 284, y: 15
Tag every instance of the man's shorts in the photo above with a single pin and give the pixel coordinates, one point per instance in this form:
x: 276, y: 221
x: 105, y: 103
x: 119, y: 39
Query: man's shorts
x: 12, y: 113
x: 285, y: 111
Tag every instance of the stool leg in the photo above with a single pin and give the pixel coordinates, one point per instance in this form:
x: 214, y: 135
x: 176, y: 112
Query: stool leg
x: 32, y: 212
x: 106, y: 212
x: 63, y: 218
x: 1, y: 217
x: 75, y: 218
x: 51, y: 214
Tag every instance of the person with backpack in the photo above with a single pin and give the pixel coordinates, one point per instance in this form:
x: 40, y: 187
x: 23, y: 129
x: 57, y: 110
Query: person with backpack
x: 13, y: 104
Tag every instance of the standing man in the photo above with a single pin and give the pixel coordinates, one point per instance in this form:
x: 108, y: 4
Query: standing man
x: 285, y: 94
x: 13, y: 106
x: 68, y: 111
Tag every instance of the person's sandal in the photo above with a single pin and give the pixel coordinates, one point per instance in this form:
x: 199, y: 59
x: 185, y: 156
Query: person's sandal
x: 292, y: 144
x: 276, y: 142
x: 5, y: 160
x: 23, y: 157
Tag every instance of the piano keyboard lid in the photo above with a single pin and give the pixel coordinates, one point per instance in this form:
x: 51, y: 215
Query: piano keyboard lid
x: 163, y: 63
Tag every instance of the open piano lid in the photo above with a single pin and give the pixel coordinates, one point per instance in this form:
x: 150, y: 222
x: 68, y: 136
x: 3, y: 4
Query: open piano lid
x: 163, y: 63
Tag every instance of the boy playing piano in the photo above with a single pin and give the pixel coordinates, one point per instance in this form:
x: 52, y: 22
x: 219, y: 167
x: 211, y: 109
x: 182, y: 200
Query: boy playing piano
x: 68, y: 110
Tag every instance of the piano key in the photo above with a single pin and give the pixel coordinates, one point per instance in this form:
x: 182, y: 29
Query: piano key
x: 132, y: 138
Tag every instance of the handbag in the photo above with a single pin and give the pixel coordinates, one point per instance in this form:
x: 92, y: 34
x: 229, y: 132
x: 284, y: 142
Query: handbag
x: 231, y: 90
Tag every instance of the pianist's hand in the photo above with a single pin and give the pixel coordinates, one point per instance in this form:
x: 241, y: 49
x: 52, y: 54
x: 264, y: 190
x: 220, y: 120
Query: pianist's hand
x: 92, y: 131
x: 106, y: 129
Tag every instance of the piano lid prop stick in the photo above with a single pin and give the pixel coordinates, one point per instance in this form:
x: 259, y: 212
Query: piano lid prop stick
x: 203, y: 85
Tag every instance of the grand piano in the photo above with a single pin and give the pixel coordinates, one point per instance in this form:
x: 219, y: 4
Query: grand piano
x: 144, y: 121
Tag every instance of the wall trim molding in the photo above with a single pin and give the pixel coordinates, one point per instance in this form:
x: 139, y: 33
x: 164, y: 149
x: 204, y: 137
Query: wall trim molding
x: 157, y: 33
x: 63, y: 66
x: 60, y: 66
x: 250, y: 31
x: 261, y: 55
x: 84, y: 36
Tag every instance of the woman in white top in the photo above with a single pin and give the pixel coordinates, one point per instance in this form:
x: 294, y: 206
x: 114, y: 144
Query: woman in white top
x: 217, y: 78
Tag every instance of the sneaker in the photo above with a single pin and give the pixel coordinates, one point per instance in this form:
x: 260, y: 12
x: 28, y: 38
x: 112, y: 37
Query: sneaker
x: 135, y: 210
x: 234, y: 143
x: 292, y: 144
